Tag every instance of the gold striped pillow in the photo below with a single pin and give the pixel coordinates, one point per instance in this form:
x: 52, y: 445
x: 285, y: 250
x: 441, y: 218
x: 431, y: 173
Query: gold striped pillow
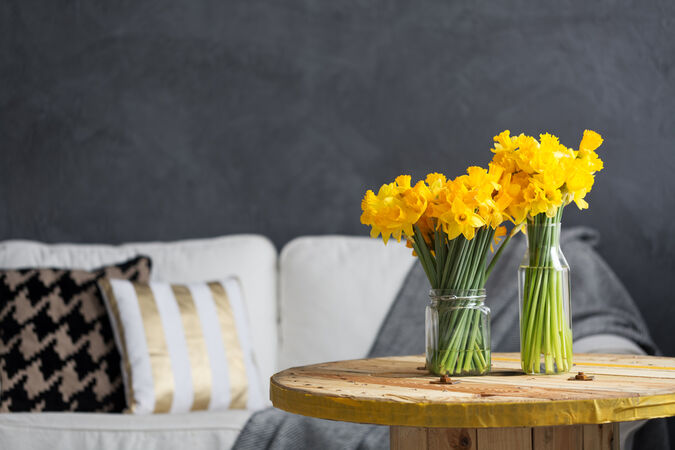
x: 184, y: 347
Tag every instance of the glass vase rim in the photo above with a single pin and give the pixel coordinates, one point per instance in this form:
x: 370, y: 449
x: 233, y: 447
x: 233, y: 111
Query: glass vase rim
x: 458, y: 294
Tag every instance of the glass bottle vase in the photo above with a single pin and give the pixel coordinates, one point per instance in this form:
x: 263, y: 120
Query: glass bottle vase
x: 544, y: 292
x: 458, y: 332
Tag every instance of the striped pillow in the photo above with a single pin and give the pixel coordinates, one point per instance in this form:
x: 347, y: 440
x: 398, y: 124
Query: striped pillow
x: 184, y: 347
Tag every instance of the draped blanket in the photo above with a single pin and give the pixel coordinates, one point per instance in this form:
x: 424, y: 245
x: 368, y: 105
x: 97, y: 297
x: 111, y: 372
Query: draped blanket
x: 600, y: 305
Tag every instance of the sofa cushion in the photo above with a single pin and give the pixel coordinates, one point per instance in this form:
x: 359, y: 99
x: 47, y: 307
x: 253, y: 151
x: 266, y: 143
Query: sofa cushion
x: 194, y: 431
x: 334, y: 293
x: 185, y: 347
x: 56, y: 346
x: 252, y: 258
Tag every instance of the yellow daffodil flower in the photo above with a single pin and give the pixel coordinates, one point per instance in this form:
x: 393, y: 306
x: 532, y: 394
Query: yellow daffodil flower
x: 540, y: 176
x: 395, y: 208
x: 590, y: 141
x: 461, y: 219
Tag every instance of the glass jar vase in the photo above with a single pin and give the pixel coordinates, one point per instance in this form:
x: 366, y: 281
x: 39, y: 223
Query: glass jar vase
x: 458, y: 332
x: 544, y: 292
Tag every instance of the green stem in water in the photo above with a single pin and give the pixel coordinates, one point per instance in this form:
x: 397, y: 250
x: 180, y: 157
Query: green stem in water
x: 545, y: 332
x: 459, y: 346
x: 498, y: 254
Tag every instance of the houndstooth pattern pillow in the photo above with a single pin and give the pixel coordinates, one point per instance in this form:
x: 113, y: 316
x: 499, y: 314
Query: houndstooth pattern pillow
x: 57, y: 351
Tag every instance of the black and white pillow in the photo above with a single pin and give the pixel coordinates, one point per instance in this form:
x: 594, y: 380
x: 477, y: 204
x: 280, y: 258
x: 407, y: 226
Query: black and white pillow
x: 57, y: 351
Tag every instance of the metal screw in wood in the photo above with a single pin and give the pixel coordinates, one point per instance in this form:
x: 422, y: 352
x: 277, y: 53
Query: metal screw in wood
x: 445, y: 379
x: 581, y: 377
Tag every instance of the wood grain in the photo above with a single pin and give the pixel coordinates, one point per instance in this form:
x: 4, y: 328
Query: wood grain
x: 408, y: 438
x: 558, y: 438
x: 602, y: 436
x: 393, y: 391
x: 452, y: 438
x: 581, y: 437
x: 504, y: 439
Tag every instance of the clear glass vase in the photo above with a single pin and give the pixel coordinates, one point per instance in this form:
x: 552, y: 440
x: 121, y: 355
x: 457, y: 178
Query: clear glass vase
x: 458, y: 332
x: 544, y: 292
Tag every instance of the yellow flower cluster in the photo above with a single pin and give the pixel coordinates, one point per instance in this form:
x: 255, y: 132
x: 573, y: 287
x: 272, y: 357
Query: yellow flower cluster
x: 395, y: 209
x: 458, y: 206
x: 541, y: 176
x: 468, y: 202
x: 526, y: 177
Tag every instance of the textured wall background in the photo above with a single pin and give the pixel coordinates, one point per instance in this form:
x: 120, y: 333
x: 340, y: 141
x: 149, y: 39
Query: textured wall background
x: 144, y: 120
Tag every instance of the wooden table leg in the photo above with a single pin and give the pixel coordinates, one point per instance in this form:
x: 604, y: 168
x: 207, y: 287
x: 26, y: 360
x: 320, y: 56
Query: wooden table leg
x: 583, y: 437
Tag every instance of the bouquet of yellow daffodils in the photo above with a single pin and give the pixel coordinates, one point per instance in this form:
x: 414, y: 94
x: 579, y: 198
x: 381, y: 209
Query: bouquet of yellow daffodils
x: 540, y: 177
x: 451, y: 225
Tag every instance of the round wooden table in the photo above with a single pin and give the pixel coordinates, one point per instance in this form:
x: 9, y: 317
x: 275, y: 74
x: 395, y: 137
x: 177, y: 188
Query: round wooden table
x: 504, y: 410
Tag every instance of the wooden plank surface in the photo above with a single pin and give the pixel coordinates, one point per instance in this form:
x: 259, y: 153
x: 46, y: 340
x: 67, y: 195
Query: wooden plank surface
x: 602, y: 436
x: 416, y: 438
x: 575, y: 437
x: 408, y: 438
x: 504, y: 439
x: 395, y: 391
x: 558, y: 438
x: 451, y: 438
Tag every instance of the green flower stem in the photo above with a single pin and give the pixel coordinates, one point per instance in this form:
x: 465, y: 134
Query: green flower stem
x: 420, y: 247
x: 461, y: 257
x: 478, y: 353
x: 498, y: 254
x: 458, y: 265
x: 555, y: 318
x: 448, y: 259
x: 453, y: 347
x: 535, y: 309
x: 438, y: 247
x: 545, y: 332
x: 464, y: 345
x: 548, y: 357
x: 472, y: 341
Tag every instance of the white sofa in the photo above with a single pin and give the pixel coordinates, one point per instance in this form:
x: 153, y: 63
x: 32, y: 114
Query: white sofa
x: 320, y: 299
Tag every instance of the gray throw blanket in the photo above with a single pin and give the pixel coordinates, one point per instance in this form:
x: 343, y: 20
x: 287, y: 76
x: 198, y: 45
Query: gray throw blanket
x: 600, y: 305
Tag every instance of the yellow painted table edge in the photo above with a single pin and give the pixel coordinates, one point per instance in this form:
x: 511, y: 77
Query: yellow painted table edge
x: 471, y: 415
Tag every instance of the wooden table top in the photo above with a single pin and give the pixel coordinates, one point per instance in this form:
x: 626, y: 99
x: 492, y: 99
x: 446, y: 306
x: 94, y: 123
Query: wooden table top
x: 396, y: 391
